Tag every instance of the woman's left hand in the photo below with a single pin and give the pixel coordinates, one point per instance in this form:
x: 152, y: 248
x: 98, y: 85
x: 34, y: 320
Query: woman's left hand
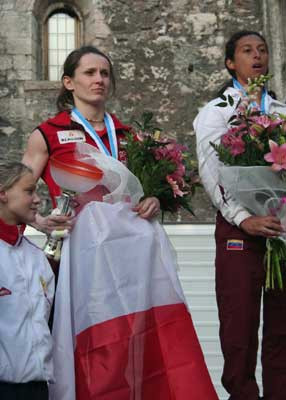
x: 148, y: 208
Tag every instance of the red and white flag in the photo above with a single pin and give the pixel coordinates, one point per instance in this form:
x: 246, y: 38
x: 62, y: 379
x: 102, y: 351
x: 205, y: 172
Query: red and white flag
x: 122, y: 329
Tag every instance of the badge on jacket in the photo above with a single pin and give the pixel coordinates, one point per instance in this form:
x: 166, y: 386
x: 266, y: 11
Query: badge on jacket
x: 71, y: 136
x: 234, y: 244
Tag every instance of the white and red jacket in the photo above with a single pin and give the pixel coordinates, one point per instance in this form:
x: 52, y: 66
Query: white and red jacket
x: 26, y: 295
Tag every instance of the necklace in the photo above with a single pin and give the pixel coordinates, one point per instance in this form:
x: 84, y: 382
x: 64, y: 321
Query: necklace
x: 94, y: 120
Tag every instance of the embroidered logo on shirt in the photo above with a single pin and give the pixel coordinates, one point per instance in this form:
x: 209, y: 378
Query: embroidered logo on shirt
x: 5, y: 292
x: 234, y: 244
x: 44, y: 285
x: 71, y: 136
x: 45, y: 288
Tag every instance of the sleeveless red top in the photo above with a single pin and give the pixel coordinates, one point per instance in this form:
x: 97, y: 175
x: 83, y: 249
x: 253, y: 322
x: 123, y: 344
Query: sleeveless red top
x: 61, y: 134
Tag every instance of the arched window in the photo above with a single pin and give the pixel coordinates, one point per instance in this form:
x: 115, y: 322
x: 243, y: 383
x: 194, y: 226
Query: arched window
x: 62, y: 36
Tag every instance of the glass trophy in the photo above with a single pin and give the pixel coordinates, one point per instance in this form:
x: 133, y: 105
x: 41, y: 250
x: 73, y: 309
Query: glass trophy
x: 53, y: 245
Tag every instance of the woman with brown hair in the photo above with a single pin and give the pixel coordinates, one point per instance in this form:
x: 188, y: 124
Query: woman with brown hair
x: 129, y: 334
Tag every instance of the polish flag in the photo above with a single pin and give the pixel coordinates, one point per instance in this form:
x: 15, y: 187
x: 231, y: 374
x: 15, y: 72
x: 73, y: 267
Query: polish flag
x: 122, y: 328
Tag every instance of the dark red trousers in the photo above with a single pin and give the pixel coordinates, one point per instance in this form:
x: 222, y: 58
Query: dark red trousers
x: 240, y: 275
x: 24, y: 391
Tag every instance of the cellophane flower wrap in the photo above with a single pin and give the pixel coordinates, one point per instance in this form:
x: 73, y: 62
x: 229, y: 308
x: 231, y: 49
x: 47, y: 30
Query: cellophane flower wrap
x: 163, y: 166
x: 253, y: 152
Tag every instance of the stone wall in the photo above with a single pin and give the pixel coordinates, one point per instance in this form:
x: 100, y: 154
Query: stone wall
x: 168, y: 57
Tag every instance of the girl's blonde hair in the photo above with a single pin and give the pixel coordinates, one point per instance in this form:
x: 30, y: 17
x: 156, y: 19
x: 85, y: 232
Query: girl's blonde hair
x: 11, y: 172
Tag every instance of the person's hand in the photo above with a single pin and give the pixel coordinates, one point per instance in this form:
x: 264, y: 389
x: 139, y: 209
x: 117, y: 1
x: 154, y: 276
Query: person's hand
x: 54, y: 222
x: 148, y: 208
x: 262, y: 226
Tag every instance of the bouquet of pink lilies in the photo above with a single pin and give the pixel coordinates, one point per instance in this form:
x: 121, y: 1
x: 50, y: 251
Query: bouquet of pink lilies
x: 253, y: 152
x: 163, y: 166
x: 253, y: 139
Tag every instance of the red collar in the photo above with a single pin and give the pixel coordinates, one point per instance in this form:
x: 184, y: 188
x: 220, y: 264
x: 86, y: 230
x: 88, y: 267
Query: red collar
x: 63, y: 119
x: 11, y: 233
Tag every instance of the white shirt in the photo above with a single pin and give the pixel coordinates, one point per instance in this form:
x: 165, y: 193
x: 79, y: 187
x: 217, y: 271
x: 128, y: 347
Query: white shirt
x: 210, y: 124
x: 26, y: 295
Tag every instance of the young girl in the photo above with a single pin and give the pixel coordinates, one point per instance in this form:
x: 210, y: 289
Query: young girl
x: 240, y: 274
x: 26, y: 292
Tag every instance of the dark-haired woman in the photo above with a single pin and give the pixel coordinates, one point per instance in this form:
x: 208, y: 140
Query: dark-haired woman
x: 240, y: 271
x: 122, y: 329
x: 88, y: 79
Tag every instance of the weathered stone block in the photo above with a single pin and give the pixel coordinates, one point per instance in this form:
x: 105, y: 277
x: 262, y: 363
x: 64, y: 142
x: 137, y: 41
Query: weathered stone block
x: 19, y: 45
x: 203, y: 23
x: 22, y: 62
x: 6, y: 62
x: 16, y: 25
x: 17, y: 109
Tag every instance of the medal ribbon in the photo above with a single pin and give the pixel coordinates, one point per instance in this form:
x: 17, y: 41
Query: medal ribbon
x: 78, y: 117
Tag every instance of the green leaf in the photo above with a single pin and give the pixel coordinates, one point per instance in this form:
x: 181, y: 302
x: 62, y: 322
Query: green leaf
x: 230, y: 100
x: 232, y: 118
x: 147, y: 116
x: 222, y: 104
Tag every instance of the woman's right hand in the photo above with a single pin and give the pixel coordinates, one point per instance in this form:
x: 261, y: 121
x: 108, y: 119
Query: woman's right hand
x: 54, y: 222
x: 262, y: 226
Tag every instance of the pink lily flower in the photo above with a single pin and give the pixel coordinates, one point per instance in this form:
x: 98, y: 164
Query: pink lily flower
x: 262, y: 120
x: 229, y: 136
x: 255, y: 130
x: 277, y: 156
x: 175, y: 187
x: 237, y: 146
x: 234, y: 143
